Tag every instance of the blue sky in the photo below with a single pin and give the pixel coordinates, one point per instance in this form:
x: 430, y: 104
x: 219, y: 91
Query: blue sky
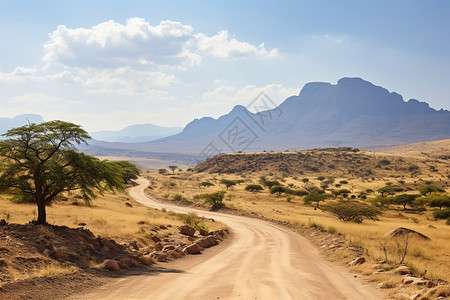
x: 109, y: 64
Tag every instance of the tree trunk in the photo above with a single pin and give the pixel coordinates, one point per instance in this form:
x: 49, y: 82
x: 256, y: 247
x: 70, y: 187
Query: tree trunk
x: 42, y: 215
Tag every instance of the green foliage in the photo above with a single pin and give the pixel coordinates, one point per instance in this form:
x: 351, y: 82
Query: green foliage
x: 435, y: 200
x: 442, y: 213
x: 129, y: 170
x: 40, y: 162
x: 253, y: 188
x: 191, y: 219
x: 321, y: 178
x: 429, y: 189
x: 277, y: 189
x: 162, y: 171
x: 228, y: 183
x: 380, y: 201
x: 206, y: 184
x: 390, y: 190
x: 269, y: 183
x: 316, y: 198
x: 215, y: 199
x: 178, y: 197
x: 404, y: 199
x: 350, y: 210
x: 173, y: 168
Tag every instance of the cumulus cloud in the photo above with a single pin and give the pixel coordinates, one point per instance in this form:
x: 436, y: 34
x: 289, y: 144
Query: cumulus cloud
x: 140, y: 45
x: 19, y: 74
x: 220, y: 45
x: 227, y: 96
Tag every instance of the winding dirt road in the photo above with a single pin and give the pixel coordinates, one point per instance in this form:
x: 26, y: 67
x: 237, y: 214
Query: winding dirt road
x: 261, y: 261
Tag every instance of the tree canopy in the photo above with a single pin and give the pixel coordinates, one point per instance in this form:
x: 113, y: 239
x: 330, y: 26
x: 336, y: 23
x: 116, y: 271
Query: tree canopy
x: 40, y: 161
x: 128, y: 169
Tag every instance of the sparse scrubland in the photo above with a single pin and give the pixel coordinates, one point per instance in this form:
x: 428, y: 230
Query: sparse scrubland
x: 306, y: 188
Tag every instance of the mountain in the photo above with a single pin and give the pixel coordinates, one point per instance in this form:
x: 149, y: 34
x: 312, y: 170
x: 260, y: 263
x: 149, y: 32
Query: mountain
x: 136, y: 133
x: 20, y: 120
x: 353, y: 112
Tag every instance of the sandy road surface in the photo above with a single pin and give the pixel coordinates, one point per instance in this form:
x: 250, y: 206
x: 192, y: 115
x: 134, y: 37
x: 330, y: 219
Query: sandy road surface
x: 262, y: 261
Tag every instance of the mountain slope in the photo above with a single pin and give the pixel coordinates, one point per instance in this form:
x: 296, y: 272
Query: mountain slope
x: 20, y: 120
x: 352, y: 112
x: 136, y: 133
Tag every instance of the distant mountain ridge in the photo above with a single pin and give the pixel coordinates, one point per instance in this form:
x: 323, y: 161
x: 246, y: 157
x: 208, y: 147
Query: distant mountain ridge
x: 20, y: 120
x: 136, y: 133
x: 353, y: 112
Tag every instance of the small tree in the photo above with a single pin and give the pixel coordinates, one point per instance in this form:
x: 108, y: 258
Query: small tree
x: 253, y: 188
x: 277, y: 189
x: 40, y: 162
x: 215, y: 199
x: 429, y: 189
x: 162, y: 171
x: 350, y: 210
x: 269, y: 183
x: 228, y: 183
x: 173, y: 168
x: 404, y: 200
x: 438, y: 201
x: 316, y: 198
x: 389, y: 190
x: 206, y: 184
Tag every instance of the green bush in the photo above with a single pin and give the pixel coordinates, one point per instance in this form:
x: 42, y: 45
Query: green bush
x: 429, y: 189
x: 215, y: 199
x: 253, y: 188
x: 316, y: 198
x: 442, y: 213
x: 277, y: 189
x: 178, y: 197
x: 350, y: 210
x: 206, y: 184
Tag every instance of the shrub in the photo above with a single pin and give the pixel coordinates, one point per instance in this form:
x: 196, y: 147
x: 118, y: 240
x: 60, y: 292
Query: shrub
x: 429, y: 189
x: 278, y: 189
x: 269, y: 183
x: 178, y: 197
x: 253, y: 188
x: 350, y: 210
x: 228, y: 183
x: 389, y: 190
x: 215, y: 199
x: 442, y: 213
x: 316, y: 198
x: 206, y: 184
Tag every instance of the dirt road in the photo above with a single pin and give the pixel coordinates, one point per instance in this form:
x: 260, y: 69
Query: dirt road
x: 262, y: 261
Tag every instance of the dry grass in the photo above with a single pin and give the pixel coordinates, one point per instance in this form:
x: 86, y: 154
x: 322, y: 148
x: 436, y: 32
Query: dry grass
x: 109, y: 216
x: 423, y: 256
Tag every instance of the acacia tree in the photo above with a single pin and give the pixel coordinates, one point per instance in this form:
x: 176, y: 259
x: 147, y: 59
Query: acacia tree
x: 173, y: 168
x: 39, y: 161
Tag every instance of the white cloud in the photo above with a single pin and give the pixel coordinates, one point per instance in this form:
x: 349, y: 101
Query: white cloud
x: 19, y: 74
x: 220, y: 45
x: 139, y: 45
x: 227, y: 96
x: 112, y: 45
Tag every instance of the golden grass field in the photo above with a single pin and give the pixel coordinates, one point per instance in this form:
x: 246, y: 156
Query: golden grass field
x: 433, y: 256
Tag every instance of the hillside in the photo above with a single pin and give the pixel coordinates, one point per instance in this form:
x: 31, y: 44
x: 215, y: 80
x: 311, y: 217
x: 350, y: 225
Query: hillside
x: 20, y: 120
x: 433, y: 149
x: 353, y: 112
x: 337, y: 162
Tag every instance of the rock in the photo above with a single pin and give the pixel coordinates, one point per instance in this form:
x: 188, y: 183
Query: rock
x: 108, y: 243
x: 159, y: 247
x: 401, y: 296
x: 134, y: 245
x: 47, y: 252
x: 401, y: 231
x: 186, y: 230
x: 204, y: 243
x: 415, y: 296
x: 112, y: 265
x: 403, y: 270
x: 124, y: 263
x: 384, y: 285
x: 3, y: 222
x: 203, y: 232
x: 408, y: 280
x: 431, y: 226
x: 155, y: 239
x: 128, y: 204
x: 357, y: 261
x: 104, y: 250
x: 168, y: 248
x: 431, y: 284
x: 193, y: 249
